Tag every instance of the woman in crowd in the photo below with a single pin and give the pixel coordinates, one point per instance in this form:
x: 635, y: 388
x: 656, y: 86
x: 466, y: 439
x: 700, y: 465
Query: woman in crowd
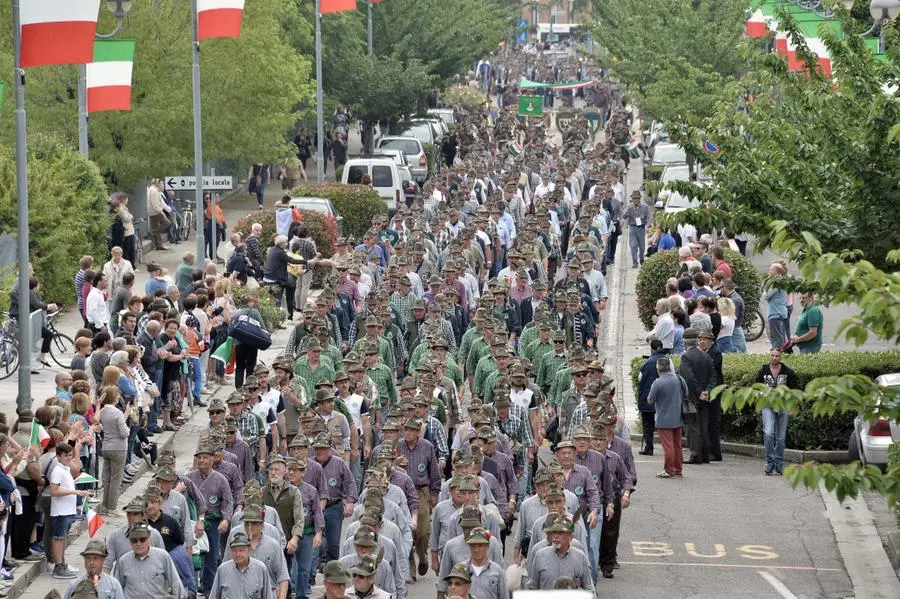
x: 726, y: 330
x: 115, y: 438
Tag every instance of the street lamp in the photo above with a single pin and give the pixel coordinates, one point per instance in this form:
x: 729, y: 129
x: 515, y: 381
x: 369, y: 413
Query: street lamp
x: 883, y: 12
x: 119, y: 9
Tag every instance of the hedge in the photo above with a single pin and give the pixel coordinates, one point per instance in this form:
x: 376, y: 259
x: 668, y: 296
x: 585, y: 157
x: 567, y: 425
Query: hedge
x: 650, y: 285
x: 272, y: 315
x: 893, y: 459
x: 804, y: 431
x: 68, y: 213
x: 356, y: 203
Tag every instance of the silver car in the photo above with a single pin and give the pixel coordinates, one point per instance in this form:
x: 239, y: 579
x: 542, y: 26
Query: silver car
x: 322, y: 205
x: 870, y: 441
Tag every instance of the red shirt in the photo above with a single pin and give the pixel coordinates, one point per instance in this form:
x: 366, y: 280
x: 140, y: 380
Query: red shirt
x: 725, y: 268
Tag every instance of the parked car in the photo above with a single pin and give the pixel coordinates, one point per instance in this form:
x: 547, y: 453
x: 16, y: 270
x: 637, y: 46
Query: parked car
x: 322, y: 205
x: 394, y: 153
x: 667, y: 153
x: 385, y: 174
x: 425, y: 131
x: 415, y: 153
x: 448, y: 115
x: 870, y: 441
x: 436, y: 120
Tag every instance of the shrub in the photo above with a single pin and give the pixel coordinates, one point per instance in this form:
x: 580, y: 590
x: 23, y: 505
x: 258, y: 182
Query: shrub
x: 356, y: 203
x: 272, y: 315
x: 893, y: 459
x: 68, y: 213
x: 466, y: 97
x: 656, y: 270
x: 339, y: 173
x: 804, y: 431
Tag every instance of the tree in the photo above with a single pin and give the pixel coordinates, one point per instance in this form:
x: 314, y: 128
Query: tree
x: 677, y: 57
x: 812, y: 151
x: 252, y: 88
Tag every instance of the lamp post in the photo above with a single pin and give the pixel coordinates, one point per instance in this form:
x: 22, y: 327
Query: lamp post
x: 119, y: 8
x: 883, y: 12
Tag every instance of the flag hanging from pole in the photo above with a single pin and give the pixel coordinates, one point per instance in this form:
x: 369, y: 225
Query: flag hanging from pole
x: 330, y: 6
x: 109, y: 76
x: 219, y: 18
x: 58, y: 31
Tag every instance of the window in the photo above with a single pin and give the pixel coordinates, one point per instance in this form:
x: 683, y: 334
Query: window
x: 382, y: 176
x: 355, y: 174
x: 410, y: 147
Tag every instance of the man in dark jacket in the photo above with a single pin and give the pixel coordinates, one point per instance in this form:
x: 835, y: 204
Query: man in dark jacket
x: 696, y: 369
x: 708, y: 344
x: 647, y: 375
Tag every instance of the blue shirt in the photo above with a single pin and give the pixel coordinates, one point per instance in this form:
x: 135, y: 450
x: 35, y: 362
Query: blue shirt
x: 666, y: 242
x: 376, y: 251
x: 776, y: 304
x: 153, y: 284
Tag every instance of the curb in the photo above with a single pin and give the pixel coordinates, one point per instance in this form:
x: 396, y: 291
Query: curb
x: 27, y: 572
x: 793, y: 456
x: 892, y: 548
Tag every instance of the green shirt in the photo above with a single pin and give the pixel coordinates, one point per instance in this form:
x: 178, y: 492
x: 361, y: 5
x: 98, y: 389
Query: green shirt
x: 479, y: 350
x: 550, y: 365
x: 809, y: 318
x: 487, y: 394
x: 561, y: 383
x: 308, y: 376
x: 536, y: 349
x: 486, y: 366
x: 385, y: 351
x: 383, y: 378
x: 529, y: 334
x: 465, y: 345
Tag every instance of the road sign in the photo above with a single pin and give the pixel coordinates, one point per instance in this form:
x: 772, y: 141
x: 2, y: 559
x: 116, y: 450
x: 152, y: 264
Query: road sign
x: 531, y: 105
x: 710, y: 148
x: 178, y: 183
x: 522, y: 32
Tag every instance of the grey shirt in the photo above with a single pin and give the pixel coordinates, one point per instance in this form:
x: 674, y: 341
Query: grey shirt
x: 457, y: 550
x: 530, y: 510
x: 489, y: 518
x: 270, y: 553
x: 232, y: 583
x: 440, y: 521
x: 399, y: 566
x: 549, y: 565
x: 268, y: 530
x: 485, y: 497
x: 535, y: 548
x: 538, y: 534
x: 490, y: 583
x: 109, y: 587
x: 115, y: 429
x: 270, y: 517
x: 384, y: 578
x: 118, y: 545
x: 153, y: 575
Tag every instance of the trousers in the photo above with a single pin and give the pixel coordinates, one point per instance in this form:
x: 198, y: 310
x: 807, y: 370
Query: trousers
x: 774, y: 435
x: 244, y: 363
x: 334, y: 518
x: 637, y: 237
x: 715, y: 417
x: 113, y: 469
x: 609, y: 537
x: 302, y: 566
x: 423, y: 527
x: 648, y: 423
x: 697, y: 429
x: 211, y: 560
x: 670, y: 439
x: 184, y: 565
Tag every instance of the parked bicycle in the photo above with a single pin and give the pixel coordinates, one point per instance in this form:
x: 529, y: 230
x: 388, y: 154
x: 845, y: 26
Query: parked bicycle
x: 184, y: 220
x: 62, y: 347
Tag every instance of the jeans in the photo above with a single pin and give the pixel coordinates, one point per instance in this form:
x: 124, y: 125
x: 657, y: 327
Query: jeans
x: 637, y: 239
x: 356, y: 470
x: 778, y: 332
x: 774, y: 433
x: 197, y: 388
x: 725, y: 345
x: 244, y: 363
x: 213, y: 558
x: 594, y: 536
x: 184, y: 565
x: 696, y: 427
x: 648, y: 423
x: 334, y: 518
x: 739, y: 340
x: 302, y: 566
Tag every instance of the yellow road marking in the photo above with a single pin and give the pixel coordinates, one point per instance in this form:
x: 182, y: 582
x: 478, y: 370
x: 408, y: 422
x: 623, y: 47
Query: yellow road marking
x: 744, y: 566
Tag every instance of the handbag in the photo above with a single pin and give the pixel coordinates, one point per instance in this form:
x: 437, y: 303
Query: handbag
x: 250, y: 332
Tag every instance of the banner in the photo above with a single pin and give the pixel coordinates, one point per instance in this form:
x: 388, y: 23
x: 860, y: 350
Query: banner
x: 526, y: 84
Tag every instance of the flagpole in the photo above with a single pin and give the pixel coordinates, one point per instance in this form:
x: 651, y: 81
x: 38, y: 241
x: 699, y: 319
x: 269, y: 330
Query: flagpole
x: 320, y: 117
x: 82, y: 111
x: 198, y: 134
x: 23, y: 401
x: 371, y: 42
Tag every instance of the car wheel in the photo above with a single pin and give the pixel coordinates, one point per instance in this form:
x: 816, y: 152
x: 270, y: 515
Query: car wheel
x: 853, y: 451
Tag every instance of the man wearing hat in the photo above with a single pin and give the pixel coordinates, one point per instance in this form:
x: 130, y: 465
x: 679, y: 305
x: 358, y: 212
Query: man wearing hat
x: 488, y: 577
x: 104, y: 585
x: 313, y: 526
x: 698, y: 371
x: 117, y: 543
x: 342, y: 494
x: 219, y: 503
x: 250, y: 428
x: 364, y: 580
x: 432, y: 429
x: 457, y: 550
x: 147, y: 571
x: 459, y: 582
x: 312, y: 367
x: 366, y: 544
x: 173, y: 538
x: 242, y: 576
x: 391, y: 540
x: 372, y: 326
x: 335, y: 423
x: 459, y: 498
x: 336, y: 579
x: 360, y: 426
x: 603, y: 478
x: 426, y: 475
x: 402, y: 300
x: 237, y: 447
x: 560, y: 559
x: 579, y: 481
x: 287, y: 501
x: 265, y: 549
x: 571, y: 399
x: 639, y: 217
x: 562, y: 380
x: 174, y: 503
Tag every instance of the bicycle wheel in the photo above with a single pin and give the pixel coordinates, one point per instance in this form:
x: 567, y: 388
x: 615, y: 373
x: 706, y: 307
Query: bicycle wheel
x: 62, y: 350
x: 9, y: 358
x: 756, y: 324
x: 187, y: 222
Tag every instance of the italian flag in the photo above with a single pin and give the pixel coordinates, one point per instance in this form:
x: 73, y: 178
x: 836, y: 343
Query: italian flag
x: 219, y: 18
x: 109, y: 76
x: 330, y: 6
x: 58, y: 31
x: 93, y: 519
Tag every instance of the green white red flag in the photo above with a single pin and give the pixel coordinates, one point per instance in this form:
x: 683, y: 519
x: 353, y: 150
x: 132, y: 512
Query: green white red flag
x: 109, y: 76
x: 57, y: 31
x: 330, y: 6
x: 93, y: 519
x: 219, y: 18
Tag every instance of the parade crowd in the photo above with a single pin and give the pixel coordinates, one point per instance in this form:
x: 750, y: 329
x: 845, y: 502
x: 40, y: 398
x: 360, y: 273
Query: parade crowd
x: 440, y: 405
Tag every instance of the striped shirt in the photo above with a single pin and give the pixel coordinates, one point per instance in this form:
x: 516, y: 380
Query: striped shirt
x: 309, y: 375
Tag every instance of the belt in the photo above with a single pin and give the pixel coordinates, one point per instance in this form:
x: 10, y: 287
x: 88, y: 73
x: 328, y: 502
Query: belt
x: 332, y: 502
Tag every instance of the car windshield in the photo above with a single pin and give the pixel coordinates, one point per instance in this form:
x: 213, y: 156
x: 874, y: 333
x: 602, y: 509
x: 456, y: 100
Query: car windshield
x: 447, y: 117
x: 408, y: 146
x: 421, y: 131
x: 680, y: 172
x: 669, y: 154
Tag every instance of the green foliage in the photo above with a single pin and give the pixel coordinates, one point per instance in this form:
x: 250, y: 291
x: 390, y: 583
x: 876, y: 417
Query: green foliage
x: 466, y: 97
x: 322, y: 228
x: 658, y: 268
x: 675, y: 56
x: 272, y: 315
x: 7, y: 279
x: 266, y: 219
x: 815, y: 155
x: 356, y: 203
x: 252, y: 87
x: 893, y: 463
x: 809, y: 427
x: 67, y: 209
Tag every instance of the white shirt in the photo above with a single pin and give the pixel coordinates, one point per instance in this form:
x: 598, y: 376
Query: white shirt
x: 66, y: 505
x: 270, y: 398
x: 96, y: 310
x: 688, y: 233
x: 665, y: 330
x: 353, y: 403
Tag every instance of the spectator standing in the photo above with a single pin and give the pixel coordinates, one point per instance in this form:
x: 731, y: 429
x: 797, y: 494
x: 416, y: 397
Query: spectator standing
x: 775, y: 374
x: 63, y: 507
x: 648, y: 374
x: 666, y: 395
x: 115, y: 439
x: 808, y: 334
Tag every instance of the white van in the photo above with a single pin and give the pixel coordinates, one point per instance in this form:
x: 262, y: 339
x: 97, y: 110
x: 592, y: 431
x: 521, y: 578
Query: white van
x: 385, y: 174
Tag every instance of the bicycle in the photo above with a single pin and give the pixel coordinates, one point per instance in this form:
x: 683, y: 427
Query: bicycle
x: 185, y: 221
x: 62, y: 347
x: 9, y: 347
x: 754, y: 323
